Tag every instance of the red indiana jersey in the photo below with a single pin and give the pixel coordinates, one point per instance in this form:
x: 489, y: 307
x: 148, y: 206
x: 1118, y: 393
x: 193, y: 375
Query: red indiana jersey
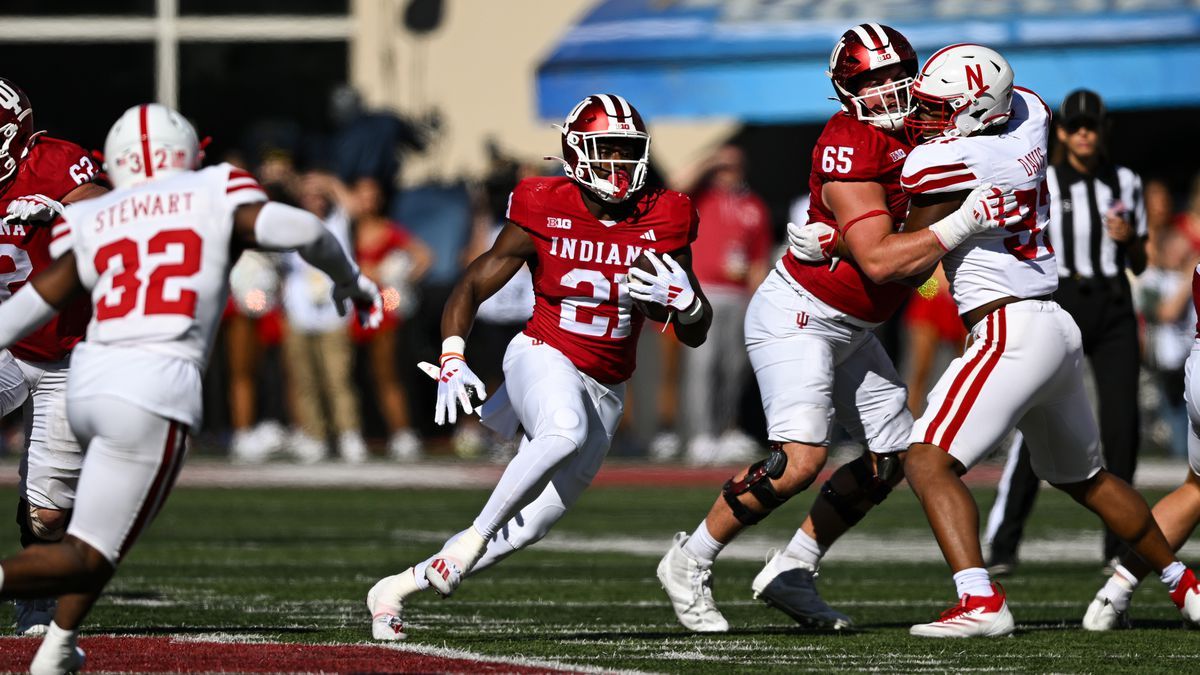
x: 582, y: 306
x: 853, y: 151
x: 53, y: 168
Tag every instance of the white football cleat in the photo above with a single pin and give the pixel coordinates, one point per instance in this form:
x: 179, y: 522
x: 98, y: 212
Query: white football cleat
x: 1187, y: 598
x: 34, y: 616
x: 689, y: 586
x: 447, y: 570
x: 1102, y: 615
x: 56, y: 661
x: 385, y: 601
x: 789, y: 585
x: 973, y: 616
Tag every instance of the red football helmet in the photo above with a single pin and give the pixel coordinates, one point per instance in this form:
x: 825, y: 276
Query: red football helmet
x: 867, y: 47
x: 16, y: 128
x: 600, y: 120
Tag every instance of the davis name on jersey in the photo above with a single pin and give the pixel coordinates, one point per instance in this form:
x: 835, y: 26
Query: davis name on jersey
x: 853, y: 151
x: 53, y: 168
x: 582, y: 305
x: 1014, y: 261
x: 156, y: 258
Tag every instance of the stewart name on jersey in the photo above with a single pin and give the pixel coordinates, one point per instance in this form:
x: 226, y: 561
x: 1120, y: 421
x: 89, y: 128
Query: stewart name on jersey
x: 583, y: 307
x: 53, y: 168
x: 852, y: 151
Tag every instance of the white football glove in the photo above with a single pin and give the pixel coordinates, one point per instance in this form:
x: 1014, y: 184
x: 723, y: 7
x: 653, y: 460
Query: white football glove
x: 812, y: 241
x: 670, y: 285
x: 986, y: 207
x: 368, y: 303
x: 456, y: 383
x: 34, y: 209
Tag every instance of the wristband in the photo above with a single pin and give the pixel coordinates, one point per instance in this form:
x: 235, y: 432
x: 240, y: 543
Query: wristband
x: 453, y: 347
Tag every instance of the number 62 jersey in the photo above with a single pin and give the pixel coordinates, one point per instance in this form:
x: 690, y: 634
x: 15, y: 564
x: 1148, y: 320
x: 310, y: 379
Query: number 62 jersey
x: 1016, y: 261
x: 156, y: 260
x: 582, y: 307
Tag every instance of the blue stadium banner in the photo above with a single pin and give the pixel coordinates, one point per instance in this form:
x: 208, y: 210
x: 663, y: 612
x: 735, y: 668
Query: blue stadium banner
x: 765, y: 60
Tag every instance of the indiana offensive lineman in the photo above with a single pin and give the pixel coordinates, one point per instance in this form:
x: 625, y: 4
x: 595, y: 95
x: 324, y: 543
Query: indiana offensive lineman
x: 38, y: 174
x: 155, y: 256
x: 565, y: 374
x: 1024, y: 367
x: 1177, y: 514
x: 808, y: 333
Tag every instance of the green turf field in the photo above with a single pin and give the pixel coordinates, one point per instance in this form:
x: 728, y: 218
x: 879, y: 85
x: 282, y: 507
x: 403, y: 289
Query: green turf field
x: 295, y: 565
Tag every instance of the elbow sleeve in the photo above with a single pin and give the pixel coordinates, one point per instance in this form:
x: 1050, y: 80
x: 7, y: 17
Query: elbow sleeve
x: 282, y: 227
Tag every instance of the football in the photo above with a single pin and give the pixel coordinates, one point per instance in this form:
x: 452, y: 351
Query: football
x: 651, y: 310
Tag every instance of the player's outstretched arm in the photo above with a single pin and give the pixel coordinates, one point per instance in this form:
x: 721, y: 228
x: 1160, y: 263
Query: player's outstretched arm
x: 279, y: 227
x: 39, y: 300
x: 484, y: 276
x: 931, y: 229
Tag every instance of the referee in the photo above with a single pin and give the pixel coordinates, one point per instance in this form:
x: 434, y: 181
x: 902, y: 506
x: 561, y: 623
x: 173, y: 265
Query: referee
x: 1098, y: 230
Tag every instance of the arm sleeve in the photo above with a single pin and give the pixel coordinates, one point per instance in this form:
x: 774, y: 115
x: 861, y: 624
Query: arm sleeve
x: 280, y: 227
x: 22, y: 313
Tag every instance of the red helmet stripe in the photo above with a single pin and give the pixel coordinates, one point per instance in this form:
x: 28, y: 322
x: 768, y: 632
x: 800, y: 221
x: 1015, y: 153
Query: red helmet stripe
x: 609, y: 107
x: 867, y: 40
x: 145, y: 131
x: 883, y: 38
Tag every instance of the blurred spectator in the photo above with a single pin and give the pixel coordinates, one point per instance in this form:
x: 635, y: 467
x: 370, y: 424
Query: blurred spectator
x: 317, y: 342
x: 1160, y: 211
x: 1165, y: 295
x: 931, y: 321
x: 395, y: 260
x: 730, y: 259
x: 1188, y: 222
x: 252, y: 325
x: 440, y: 216
x: 371, y: 144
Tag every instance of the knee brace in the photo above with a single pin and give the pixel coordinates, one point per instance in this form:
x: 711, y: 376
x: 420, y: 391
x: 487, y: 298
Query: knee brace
x: 33, y: 530
x: 868, y: 485
x: 758, y: 483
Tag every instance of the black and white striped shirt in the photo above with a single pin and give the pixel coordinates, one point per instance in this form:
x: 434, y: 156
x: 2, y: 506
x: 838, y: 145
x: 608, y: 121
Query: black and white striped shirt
x: 1078, y: 204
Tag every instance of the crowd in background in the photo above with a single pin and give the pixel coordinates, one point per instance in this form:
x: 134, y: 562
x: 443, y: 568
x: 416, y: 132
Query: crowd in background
x: 291, y: 378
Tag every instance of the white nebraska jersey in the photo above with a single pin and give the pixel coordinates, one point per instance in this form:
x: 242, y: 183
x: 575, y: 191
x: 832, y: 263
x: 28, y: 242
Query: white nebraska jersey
x: 1015, y: 261
x: 156, y: 259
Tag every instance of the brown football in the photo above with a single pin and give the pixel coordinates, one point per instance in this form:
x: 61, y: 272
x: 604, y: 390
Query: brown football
x: 652, y: 310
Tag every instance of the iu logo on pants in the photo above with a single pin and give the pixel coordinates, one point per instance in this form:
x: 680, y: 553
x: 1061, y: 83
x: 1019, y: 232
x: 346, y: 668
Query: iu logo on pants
x: 801, y: 319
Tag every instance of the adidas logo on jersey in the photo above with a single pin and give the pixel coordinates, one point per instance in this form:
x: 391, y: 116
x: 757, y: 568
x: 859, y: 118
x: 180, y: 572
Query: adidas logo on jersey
x: 649, y: 235
x: 558, y: 223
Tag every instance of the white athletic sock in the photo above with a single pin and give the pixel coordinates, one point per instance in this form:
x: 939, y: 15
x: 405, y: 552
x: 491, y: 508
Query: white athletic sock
x: 1118, y: 590
x: 973, y: 581
x: 805, y: 549
x: 1172, y: 574
x: 702, y: 547
x: 58, y: 641
x: 523, y: 480
x: 419, y: 573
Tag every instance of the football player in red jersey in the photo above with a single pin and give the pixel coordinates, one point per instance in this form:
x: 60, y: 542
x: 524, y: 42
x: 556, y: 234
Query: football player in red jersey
x: 808, y: 334
x: 38, y: 174
x: 565, y: 374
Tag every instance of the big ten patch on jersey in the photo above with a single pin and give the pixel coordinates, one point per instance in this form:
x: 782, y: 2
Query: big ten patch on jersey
x: 1017, y: 260
x: 52, y: 168
x: 582, y: 306
x: 157, y: 256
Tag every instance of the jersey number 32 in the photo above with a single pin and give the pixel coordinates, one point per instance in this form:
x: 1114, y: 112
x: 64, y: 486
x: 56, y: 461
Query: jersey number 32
x: 127, y: 292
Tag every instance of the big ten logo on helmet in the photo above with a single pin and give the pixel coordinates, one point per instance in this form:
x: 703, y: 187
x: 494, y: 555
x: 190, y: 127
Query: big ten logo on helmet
x: 9, y: 98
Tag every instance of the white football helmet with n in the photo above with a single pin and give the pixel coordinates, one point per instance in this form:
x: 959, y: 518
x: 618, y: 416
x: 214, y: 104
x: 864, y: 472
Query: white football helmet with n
x: 962, y: 90
x: 150, y: 141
